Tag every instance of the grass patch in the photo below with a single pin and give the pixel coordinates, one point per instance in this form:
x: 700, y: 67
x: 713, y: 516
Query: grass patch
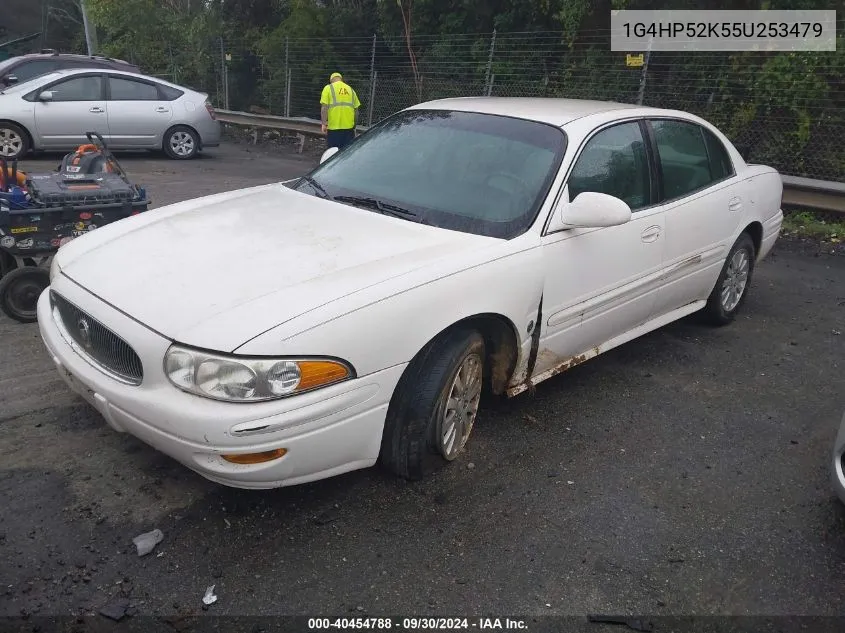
x: 814, y: 225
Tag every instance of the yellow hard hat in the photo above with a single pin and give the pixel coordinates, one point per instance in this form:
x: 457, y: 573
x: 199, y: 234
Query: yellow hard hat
x: 338, y: 75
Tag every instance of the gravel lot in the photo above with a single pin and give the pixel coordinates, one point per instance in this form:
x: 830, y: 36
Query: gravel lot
x: 683, y: 473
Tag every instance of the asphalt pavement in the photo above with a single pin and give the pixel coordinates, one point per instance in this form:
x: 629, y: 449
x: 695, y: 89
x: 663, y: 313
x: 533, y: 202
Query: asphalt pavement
x: 684, y: 473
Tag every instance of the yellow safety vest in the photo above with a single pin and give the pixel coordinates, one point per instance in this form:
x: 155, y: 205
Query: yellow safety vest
x: 342, y: 101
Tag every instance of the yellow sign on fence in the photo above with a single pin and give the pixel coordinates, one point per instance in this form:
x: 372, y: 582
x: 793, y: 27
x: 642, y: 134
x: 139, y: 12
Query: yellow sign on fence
x: 634, y: 60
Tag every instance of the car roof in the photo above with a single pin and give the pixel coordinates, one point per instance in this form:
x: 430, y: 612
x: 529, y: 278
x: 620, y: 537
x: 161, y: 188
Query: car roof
x: 75, y: 57
x: 67, y: 72
x: 553, y: 110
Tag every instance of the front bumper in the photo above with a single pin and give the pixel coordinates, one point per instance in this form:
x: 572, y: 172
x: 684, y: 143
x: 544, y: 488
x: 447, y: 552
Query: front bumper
x: 326, y: 432
x: 838, y: 465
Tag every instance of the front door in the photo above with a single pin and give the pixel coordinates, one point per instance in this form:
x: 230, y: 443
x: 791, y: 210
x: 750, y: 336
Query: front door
x: 138, y: 116
x: 77, y: 106
x: 602, y: 282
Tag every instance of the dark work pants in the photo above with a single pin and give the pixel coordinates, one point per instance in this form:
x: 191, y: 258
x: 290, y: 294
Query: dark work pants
x: 339, y: 138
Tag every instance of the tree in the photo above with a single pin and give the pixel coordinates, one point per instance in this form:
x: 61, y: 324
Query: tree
x: 405, y: 9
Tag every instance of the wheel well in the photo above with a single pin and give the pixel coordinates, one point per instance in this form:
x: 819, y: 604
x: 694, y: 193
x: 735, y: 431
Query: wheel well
x: 23, y: 127
x: 185, y: 125
x: 755, y: 231
x: 500, y: 342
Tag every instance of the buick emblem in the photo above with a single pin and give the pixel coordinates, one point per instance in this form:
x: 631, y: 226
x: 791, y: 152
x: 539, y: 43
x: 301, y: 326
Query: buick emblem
x: 84, y: 332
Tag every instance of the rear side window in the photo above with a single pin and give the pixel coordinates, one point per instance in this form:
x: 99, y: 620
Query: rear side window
x: 131, y: 90
x: 684, y: 159
x: 170, y: 94
x: 720, y: 161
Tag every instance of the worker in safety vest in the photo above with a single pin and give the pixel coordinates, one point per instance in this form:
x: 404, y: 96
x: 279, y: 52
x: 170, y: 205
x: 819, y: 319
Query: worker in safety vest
x: 339, y: 105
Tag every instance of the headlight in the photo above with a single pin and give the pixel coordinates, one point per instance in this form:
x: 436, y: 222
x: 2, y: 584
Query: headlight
x: 55, y: 269
x: 242, y: 379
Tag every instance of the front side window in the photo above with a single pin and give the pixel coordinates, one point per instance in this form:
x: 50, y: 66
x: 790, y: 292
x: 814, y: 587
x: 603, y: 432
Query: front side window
x: 477, y: 173
x: 78, y: 89
x: 130, y: 90
x: 683, y: 156
x: 615, y: 162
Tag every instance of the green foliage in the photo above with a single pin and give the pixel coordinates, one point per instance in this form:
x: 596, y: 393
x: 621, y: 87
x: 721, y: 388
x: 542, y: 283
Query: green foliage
x: 789, y: 107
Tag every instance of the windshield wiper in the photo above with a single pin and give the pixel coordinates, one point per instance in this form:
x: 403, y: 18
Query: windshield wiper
x: 316, y: 186
x: 378, y: 205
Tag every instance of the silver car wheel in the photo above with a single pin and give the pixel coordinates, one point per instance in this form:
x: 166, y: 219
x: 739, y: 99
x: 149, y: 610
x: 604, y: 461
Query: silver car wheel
x: 736, y: 280
x: 461, y: 408
x: 11, y: 143
x: 182, y: 143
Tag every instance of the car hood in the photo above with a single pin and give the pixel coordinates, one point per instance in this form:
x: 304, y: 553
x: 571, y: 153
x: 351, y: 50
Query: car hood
x: 217, y: 272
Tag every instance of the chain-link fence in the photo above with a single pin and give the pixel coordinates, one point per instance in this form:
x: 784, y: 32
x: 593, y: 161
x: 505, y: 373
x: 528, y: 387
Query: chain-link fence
x: 787, y: 109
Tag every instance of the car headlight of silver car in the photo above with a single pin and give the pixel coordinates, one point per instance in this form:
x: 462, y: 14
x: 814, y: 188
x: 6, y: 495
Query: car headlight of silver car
x: 243, y: 379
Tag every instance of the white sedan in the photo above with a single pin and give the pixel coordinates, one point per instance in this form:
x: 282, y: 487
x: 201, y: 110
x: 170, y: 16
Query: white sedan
x: 295, y: 331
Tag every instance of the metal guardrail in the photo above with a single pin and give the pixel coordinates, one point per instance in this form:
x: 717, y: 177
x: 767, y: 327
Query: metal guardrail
x: 300, y: 125
x: 818, y: 195
x: 803, y: 193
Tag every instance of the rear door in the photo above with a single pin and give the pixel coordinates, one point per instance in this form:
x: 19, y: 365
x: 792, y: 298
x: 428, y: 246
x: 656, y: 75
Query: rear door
x: 138, y: 114
x: 703, y: 208
x: 77, y: 106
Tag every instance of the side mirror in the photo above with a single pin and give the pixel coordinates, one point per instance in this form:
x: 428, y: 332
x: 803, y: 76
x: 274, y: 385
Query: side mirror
x: 47, y: 95
x: 592, y: 210
x: 328, y: 154
x: 10, y: 80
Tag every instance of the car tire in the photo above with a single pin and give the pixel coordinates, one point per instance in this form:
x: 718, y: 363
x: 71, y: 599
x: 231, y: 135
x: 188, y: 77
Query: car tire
x: 731, y: 289
x: 432, y: 412
x: 19, y: 292
x: 14, y: 141
x: 181, y: 143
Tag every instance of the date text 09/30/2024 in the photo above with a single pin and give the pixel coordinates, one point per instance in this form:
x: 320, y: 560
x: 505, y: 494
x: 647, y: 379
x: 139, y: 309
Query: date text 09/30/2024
x: 416, y: 624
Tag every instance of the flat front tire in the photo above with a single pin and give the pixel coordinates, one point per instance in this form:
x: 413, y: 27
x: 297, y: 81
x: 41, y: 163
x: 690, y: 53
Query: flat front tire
x: 432, y: 414
x: 731, y: 288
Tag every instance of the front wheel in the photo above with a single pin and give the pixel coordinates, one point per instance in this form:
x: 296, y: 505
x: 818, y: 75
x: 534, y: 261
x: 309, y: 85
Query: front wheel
x: 14, y: 142
x: 19, y: 292
x: 731, y: 288
x: 181, y: 143
x: 433, y: 411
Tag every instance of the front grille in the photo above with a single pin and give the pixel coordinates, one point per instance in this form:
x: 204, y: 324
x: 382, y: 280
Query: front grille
x: 96, y: 342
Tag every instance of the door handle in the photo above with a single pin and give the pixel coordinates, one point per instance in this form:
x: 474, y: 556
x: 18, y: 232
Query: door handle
x: 650, y: 234
x: 96, y: 110
x: 735, y: 204
x: 162, y: 109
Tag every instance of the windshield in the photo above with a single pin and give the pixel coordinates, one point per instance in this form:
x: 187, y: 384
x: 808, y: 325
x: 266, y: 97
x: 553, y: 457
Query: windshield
x: 477, y: 173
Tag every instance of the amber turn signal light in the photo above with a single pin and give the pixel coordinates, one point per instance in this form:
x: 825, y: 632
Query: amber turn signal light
x: 316, y: 373
x: 256, y: 458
